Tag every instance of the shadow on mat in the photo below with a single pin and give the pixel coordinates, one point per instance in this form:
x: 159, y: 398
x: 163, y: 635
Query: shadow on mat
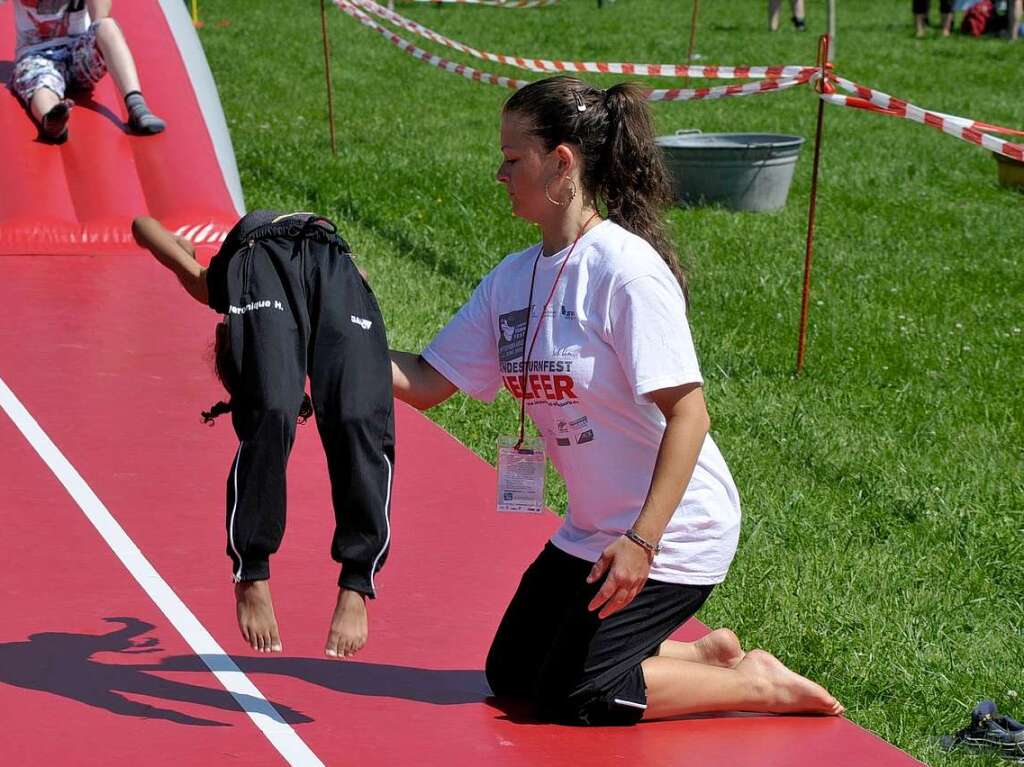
x: 85, y: 100
x: 439, y: 687
x: 62, y: 664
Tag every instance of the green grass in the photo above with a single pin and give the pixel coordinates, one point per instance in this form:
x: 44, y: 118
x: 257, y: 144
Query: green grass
x: 883, y: 490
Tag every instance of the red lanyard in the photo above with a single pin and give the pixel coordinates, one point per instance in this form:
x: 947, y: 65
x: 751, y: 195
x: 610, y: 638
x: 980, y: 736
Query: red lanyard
x: 529, y: 310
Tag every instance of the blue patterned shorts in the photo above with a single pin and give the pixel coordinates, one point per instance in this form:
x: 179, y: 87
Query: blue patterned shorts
x: 77, y: 64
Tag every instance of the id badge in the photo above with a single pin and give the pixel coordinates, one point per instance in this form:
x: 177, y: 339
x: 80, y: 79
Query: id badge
x: 521, y: 475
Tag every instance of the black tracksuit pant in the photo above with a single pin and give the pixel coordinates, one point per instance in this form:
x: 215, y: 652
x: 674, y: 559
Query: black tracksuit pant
x: 296, y: 306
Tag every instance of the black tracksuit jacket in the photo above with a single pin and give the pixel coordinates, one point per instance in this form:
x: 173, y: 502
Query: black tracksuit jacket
x: 296, y: 306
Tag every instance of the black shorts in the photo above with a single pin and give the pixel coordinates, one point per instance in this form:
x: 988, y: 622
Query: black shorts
x: 921, y: 6
x: 568, y: 665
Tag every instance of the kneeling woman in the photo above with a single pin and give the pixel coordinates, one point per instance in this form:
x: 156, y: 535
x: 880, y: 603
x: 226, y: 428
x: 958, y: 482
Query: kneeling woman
x: 606, y: 368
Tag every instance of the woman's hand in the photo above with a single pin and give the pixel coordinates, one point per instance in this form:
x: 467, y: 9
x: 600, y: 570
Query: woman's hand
x: 627, y: 566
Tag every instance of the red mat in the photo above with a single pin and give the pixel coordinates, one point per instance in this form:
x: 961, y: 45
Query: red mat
x: 110, y: 358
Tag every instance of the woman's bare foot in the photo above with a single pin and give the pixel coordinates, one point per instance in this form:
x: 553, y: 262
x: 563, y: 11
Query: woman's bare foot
x: 255, y: 612
x: 783, y: 691
x: 348, y: 626
x: 720, y: 648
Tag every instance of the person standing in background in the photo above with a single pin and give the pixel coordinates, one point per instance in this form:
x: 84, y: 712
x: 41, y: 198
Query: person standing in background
x: 921, y: 8
x: 775, y: 14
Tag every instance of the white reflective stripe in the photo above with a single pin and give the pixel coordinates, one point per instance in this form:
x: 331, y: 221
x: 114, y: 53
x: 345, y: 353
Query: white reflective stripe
x: 203, y: 233
x: 629, y: 703
x: 387, y: 522
x: 289, y: 215
x: 248, y: 697
x: 234, y: 508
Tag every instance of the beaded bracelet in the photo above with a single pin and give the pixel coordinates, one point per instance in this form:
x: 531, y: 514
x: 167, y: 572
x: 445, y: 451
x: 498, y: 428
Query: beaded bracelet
x: 653, y: 548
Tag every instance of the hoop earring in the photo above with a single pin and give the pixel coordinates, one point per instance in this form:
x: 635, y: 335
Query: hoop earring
x: 572, y: 193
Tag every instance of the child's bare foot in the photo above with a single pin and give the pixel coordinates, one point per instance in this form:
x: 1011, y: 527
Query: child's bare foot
x: 348, y: 626
x: 720, y: 648
x: 785, y: 691
x: 256, y: 619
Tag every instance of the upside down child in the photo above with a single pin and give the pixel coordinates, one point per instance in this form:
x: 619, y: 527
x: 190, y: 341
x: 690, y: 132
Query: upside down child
x: 295, y: 305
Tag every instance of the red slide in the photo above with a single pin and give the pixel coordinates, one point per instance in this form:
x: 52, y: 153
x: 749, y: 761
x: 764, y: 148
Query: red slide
x: 80, y: 197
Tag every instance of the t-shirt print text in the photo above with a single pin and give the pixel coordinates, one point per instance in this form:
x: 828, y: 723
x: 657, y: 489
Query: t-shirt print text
x: 577, y: 431
x: 512, y: 335
x: 546, y: 380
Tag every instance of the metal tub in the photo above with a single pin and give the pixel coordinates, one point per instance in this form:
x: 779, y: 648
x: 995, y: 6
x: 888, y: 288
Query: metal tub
x: 740, y: 171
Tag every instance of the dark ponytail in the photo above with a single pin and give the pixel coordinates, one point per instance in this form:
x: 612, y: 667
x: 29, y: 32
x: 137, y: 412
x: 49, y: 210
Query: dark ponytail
x: 623, y: 169
x: 224, y: 367
x: 635, y: 185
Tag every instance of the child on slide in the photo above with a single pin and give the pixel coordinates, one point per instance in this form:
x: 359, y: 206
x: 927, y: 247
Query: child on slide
x: 71, y: 44
x: 295, y: 305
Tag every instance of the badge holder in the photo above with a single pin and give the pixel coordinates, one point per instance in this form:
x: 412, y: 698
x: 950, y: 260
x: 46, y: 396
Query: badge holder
x: 522, y: 462
x: 521, y: 475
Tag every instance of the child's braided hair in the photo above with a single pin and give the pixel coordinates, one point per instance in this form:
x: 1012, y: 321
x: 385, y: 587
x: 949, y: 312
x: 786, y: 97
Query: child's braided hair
x: 225, y: 369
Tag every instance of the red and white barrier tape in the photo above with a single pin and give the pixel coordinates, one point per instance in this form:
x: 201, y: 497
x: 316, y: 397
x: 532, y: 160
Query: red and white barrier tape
x: 960, y: 127
x: 864, y: 98
x: 594, y: 67
x: 418, y: 53
x: 744, y: 89
x: 663, y: 94
x: 906, y: 109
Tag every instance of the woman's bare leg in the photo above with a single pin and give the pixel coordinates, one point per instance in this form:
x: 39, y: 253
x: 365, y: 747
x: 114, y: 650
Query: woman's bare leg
x: 721, y: 647
x: 758, y: 683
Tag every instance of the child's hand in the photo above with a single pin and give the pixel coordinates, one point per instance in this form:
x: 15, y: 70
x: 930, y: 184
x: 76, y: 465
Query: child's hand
x: 147, y: 230
x: 186, y: 245
x: 174, y: 252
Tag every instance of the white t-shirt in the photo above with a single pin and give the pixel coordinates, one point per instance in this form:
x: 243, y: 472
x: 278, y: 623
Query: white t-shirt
x: 615, y: 330
x: 40, y: 24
